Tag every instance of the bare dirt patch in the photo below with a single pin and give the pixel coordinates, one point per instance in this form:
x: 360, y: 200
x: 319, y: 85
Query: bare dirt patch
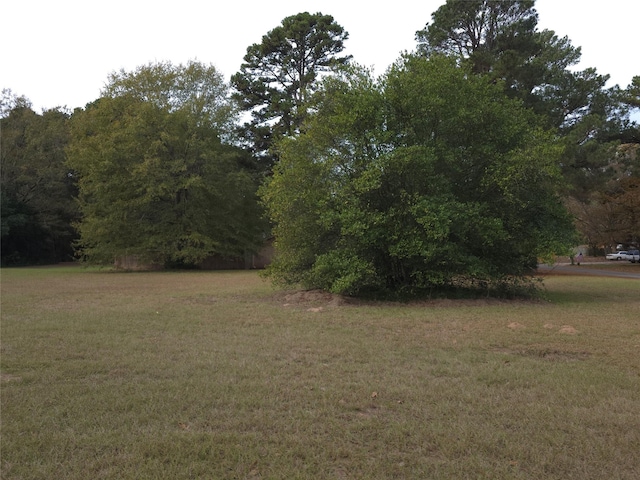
x: 568, y: 330
x: 516, y: 326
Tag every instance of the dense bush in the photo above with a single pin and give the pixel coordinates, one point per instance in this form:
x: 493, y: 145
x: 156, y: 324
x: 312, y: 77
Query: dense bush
x: 427, y: 180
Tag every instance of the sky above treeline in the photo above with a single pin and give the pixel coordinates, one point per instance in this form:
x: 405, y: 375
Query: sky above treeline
x: 60, y: 53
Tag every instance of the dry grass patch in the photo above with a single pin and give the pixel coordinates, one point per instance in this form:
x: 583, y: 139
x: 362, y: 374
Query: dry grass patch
x: 217, y: 375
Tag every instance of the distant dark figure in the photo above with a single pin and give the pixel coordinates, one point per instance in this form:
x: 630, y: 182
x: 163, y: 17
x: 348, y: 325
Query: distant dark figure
x: 579, y: 259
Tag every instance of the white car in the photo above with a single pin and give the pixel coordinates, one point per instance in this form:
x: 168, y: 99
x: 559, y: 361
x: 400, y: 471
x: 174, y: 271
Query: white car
x: 617, y: 256
x: 633, y: 256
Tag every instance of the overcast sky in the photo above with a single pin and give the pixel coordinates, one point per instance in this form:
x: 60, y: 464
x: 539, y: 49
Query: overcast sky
x: 60, y: 52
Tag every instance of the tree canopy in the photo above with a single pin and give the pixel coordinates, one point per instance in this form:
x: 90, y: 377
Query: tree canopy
x: 36, y: 186
x: 487, y: 32
x: 427, y: 179
x: 500, y: 40
x: 459, y: 147
x: 155, y: 179
x: 195, y: 88
x: 280, y: 73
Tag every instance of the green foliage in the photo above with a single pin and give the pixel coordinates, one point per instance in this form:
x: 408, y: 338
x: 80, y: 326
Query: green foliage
x: 428, y: 179
x: 36, y: 186
x: 632, y: 96
x: 280, y: 73
x: 195, y: 88
x: 155, y: 179
x: 492, y: 34
x: 499, y: 39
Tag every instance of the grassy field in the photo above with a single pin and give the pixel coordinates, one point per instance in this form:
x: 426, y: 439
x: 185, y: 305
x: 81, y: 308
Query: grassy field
x: 217, y: 375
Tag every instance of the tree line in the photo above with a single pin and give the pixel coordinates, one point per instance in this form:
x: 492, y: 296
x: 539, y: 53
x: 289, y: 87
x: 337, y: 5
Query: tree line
x: 458, y: 168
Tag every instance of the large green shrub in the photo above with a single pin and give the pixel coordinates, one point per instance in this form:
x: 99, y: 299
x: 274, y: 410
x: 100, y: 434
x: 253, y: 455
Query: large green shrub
x: 429, y: 179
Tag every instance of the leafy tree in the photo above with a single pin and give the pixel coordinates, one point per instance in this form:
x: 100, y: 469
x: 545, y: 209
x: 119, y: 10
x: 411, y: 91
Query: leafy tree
x: 10, y: 101
x: 608, y: 216
x: 491, y: 34
x: 428, y: 179
x: 280, y: 73
x: 630, y: 97
x: 500, y: 39
x: 37, y: 188
x: 155, y: 178
x: 195, y: 88
x: 632, y: 93
x: 624, y: 201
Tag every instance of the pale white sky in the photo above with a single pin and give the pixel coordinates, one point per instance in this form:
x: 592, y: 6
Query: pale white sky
x: 59, y: 53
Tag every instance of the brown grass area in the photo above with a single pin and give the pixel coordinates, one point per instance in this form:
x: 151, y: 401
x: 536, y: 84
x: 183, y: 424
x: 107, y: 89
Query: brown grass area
x: 219, y: 375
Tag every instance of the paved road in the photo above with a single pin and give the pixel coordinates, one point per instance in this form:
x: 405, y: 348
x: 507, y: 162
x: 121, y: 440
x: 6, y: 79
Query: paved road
x: 583, y: 269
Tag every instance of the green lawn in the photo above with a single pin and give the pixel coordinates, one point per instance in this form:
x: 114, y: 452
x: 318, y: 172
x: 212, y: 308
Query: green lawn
x: 217, y: 375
